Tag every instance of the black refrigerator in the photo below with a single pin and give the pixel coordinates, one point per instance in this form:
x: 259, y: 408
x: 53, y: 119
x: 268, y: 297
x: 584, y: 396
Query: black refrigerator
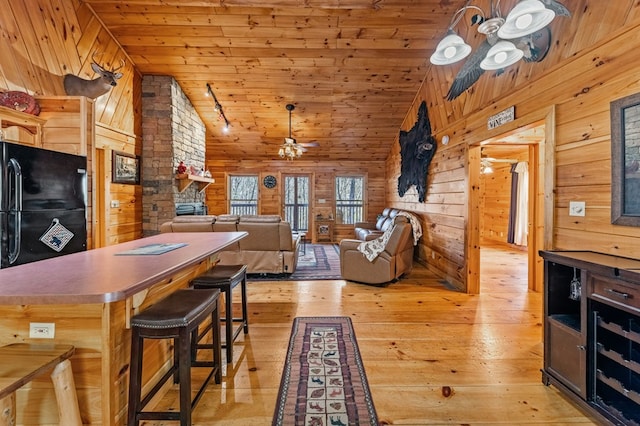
x: 43, y: 199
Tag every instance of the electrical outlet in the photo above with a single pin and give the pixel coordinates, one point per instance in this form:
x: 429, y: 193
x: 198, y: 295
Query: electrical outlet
x: 115, y: 204
x: 577, y: 208
x: 42, y: 330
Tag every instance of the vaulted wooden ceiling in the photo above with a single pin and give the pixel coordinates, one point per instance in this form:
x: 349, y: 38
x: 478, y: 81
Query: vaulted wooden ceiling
x: 351, y: 67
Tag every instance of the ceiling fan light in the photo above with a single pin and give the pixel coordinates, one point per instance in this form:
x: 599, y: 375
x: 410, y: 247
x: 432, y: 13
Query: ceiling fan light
x: 525, y: 18
x: 451, y: 49
x: 501, y: 55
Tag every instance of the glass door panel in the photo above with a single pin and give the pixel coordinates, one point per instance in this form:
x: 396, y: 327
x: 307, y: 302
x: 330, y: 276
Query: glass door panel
x: 296, y: 201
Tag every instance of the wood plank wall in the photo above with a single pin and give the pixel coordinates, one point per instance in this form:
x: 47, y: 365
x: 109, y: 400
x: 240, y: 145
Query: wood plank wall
x: 591, y: 63
x: 322, y: 176
x: 43, y: 40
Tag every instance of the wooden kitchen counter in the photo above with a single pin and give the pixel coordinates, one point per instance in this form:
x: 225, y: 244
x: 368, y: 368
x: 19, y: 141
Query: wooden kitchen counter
x: 90, y: 297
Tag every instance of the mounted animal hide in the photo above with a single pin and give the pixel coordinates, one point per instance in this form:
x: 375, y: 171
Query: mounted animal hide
x: 417, y: 147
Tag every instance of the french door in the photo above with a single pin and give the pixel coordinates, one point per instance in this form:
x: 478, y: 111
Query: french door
x: 296, y: 201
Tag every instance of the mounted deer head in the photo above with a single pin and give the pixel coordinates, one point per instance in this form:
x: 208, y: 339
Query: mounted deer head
x: 77, y: 86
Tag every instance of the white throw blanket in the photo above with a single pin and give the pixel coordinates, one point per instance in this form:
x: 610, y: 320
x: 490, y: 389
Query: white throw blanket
x: 415, y: 226
x: 371, y: 249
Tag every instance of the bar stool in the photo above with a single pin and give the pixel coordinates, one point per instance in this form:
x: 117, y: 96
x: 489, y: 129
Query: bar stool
x: 225, y: 278
x: 177, y: 317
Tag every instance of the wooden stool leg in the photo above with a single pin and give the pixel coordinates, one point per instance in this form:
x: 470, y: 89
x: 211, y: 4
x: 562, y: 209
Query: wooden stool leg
x: 245, y: 311
x: 65, y: 389
x: 216, y: 340
x: 8, y: 410
x: 183, y: 358
x: 135, y: 377
x: 228, y: 324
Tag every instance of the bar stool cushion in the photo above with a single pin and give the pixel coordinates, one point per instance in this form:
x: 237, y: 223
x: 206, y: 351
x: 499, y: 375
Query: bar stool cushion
x: 220, y: 275
x: 181, y: 309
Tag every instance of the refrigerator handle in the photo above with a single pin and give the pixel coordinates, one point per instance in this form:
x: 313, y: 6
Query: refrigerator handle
x: 16, y: 171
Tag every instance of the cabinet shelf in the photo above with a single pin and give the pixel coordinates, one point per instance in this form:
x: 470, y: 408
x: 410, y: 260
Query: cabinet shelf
x: 20, y: 127
x: 568, y: 320
x: 184, y: 180
x: 618, y: 386
x: 619, y: 330
x: 631, y: 364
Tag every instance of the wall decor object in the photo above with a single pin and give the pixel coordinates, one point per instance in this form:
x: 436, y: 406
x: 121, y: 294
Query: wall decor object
x: 92, y: 89
x: 270, y: 181
x: 20, y: 101
x: 625, y: 161
x: 125, y: 168
x: 417, y: 147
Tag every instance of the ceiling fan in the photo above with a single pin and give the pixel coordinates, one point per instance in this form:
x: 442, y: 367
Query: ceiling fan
x: 291, y: 149
x: 487, y: 162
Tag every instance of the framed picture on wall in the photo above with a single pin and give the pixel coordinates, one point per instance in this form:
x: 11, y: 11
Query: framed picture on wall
x: 125, y: 168
x: 625, y: 161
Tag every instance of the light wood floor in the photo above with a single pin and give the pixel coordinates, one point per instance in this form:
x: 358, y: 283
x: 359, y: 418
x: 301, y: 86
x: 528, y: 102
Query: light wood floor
x: 417, y: 339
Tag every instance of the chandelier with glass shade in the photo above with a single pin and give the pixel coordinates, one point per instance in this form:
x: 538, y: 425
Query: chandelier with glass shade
x: 521, y: 35
x: 290, y: 149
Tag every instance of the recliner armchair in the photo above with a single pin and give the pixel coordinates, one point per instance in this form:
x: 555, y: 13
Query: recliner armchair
x: 395, y: 260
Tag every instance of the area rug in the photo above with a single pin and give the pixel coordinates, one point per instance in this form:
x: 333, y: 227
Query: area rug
x: 323, y: 381
x: 317, y: 262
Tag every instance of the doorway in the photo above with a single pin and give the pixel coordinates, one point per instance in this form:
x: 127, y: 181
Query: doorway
x: 504, y: 209
x: 296, y: 201
x: 539, y: 137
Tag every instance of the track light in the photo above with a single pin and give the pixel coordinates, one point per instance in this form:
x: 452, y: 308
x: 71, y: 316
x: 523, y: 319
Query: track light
x: 218, y: 108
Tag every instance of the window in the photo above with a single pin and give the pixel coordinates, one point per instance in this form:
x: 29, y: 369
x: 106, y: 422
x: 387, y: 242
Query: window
x: 243, y: 194
x: 349, y: 199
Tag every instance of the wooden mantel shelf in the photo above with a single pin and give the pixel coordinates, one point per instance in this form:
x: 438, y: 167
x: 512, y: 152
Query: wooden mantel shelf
x: 184, y: 180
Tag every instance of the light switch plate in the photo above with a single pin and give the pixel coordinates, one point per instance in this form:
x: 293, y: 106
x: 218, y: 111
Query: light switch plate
x: 577, y: 208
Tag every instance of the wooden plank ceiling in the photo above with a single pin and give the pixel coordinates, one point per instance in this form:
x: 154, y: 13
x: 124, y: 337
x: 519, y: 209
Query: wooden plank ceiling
x: 351, y: 67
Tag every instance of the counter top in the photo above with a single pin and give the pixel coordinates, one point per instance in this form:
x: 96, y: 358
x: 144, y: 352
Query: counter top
x: 104, y: 275
x: 591, y: 258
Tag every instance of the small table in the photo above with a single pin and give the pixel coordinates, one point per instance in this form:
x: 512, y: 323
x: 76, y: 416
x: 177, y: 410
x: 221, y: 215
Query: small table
x: 303, y: 239
x: 324, y: 230
x: 22, y: 362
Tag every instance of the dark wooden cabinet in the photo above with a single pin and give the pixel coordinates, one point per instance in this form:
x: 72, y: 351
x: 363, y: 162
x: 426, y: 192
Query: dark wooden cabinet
x: 592, y: 332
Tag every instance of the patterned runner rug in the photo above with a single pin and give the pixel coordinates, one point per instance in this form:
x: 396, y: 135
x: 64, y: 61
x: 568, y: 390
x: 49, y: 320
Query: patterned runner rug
x: 323, y: 380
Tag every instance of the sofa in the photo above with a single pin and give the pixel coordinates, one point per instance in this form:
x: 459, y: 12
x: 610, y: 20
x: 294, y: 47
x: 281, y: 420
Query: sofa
x: 366, y: 231
x: 394, y: 259
x: 269, y: 248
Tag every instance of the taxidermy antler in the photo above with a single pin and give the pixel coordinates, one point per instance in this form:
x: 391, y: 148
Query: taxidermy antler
x: 77, y: 86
